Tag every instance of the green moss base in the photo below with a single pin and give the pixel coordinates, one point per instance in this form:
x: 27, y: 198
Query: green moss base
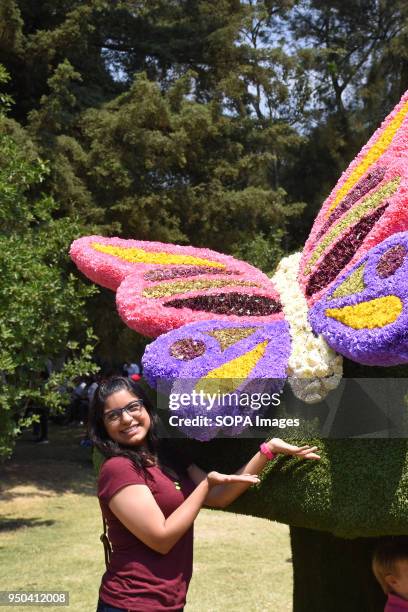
x: 358, y: 489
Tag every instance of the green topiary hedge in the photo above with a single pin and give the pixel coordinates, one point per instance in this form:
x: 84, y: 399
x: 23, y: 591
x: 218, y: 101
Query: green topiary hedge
x: 359, y: 488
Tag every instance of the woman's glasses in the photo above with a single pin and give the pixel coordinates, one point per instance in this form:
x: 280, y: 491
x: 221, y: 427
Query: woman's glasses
x: 115, y: 415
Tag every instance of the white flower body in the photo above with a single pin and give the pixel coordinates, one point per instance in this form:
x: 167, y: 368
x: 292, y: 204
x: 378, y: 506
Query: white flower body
x: 314, y: 368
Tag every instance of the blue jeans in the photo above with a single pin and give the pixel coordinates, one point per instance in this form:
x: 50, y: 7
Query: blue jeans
x: 104, y: 607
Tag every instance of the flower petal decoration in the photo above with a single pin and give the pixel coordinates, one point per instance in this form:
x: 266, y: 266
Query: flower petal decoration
x: 314, y: 368
x: 224, y: 320
x: 160, y: 286
x: 371, y: 325
x: 368, y: 204
x: 239, y: 359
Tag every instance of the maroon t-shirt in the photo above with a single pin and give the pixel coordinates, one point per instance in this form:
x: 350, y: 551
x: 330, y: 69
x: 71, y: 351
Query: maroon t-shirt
x: 138, y: 577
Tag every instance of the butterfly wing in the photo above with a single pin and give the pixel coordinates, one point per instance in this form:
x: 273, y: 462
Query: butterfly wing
x: 223, y: 319
x: 359, y: 311
x: 365, y: 314
x: 217, y: 366
x: 160, y: 287
x: 368, y: 204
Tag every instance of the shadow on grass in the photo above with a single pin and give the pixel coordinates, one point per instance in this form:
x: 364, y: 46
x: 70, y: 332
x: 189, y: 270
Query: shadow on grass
x: 62, y: 466
x: 11, y: 524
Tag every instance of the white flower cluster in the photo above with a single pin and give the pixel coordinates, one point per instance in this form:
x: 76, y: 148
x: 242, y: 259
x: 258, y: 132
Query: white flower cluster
x: 314, y: 368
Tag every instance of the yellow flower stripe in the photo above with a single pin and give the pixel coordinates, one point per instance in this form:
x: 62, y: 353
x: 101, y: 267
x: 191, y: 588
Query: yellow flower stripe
x: 166, y: 289
x: 354, y: 215
x: 234, y: 371
x: 368, y: 315
x: 135, y: 255
x: 375, y: 152
x: 352, y: 284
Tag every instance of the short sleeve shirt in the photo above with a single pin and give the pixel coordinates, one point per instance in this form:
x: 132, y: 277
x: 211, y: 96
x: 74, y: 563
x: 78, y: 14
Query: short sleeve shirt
x: 395, y: 604
x: 139, y: 578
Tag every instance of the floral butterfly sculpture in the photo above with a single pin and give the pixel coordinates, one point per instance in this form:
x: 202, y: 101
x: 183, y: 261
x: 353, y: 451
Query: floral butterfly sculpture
x: 219, y: 319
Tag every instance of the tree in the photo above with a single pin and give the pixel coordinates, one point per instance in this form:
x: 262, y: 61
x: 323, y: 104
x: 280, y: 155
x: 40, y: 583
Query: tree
x: 356, y: 67
x: 207, y: 128
x: 42, y: 304
x: 158, y: 120
x: 168, y: 167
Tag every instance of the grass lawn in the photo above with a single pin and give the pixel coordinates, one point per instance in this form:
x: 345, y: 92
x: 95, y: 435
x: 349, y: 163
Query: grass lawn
x: 50, y: 525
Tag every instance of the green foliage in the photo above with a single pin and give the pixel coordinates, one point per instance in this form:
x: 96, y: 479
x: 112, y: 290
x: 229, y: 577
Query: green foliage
x: 262, y: 252
x: 16, y: 176
x: 5, y: 100
x: 253, y: 72
x: 336, y: 494
x: 42, y: 305
x: 190, y: 152
x: 169, y: 168
x: 58, y: 107
x: 117, y: 343
x: 354, y: 56
x: 11, y: 25
x: 350, y: 45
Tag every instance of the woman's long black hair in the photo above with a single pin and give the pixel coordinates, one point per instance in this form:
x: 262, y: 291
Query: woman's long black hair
x: 141, y: 458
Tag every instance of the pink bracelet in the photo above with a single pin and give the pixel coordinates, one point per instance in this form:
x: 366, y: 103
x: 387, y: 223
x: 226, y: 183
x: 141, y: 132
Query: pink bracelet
x: 265, y: 450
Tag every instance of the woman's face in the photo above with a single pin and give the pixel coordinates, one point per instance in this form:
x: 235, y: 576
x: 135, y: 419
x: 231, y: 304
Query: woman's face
x: 128, y: 428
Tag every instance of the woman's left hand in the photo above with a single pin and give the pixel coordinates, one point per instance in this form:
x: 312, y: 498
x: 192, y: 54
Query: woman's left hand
x: 277, y: 445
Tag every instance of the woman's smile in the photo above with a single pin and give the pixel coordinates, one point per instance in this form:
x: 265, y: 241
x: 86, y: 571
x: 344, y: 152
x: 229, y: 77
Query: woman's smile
x: 131, y: 429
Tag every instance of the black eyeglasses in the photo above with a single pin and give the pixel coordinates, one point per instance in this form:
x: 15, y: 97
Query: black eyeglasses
x: 115, y: 415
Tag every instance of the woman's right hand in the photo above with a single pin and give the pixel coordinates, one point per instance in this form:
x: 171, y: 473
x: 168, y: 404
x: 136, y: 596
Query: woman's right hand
x: 215, y: 478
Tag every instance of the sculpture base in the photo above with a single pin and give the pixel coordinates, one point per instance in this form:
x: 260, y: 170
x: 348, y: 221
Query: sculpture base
x: 332, y: 574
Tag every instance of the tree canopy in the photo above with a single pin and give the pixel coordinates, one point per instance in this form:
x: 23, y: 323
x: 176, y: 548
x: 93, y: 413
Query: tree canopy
x: 42, y: 304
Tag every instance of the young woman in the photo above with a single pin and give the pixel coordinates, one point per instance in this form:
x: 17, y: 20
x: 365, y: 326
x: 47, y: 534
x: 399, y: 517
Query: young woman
x: 149, y: 500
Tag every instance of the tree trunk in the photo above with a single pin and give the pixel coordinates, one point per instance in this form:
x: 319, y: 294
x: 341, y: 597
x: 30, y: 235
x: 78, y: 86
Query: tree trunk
x: 331, y: 574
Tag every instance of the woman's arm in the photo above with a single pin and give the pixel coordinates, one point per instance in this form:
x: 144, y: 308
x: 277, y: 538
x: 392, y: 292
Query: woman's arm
x: 221, y: 496
x: 136, y: 508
